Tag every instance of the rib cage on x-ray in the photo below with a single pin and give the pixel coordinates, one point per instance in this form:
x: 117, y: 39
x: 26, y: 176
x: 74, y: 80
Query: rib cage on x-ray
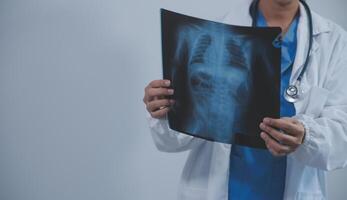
x: 210, y: 66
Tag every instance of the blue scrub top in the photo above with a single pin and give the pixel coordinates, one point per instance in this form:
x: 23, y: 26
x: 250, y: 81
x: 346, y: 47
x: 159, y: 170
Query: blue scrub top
x: 254, y: 173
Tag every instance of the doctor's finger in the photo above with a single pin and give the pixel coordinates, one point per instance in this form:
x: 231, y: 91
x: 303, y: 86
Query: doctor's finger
x: 283, y: 124
x: 157, y: 92
x: 161, y: 113
x: 154, y: 84
x: 159, y: 83
x: 157, y: 104
x: 298, y: 128
x: 280, y: 136
x: 274, y: 153
x: 273, y: 145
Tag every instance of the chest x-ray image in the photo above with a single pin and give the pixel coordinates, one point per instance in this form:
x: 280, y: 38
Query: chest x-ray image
x: 226, y: 78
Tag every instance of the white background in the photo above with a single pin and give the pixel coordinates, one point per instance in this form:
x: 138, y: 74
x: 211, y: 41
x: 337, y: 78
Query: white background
x: 72, y: 121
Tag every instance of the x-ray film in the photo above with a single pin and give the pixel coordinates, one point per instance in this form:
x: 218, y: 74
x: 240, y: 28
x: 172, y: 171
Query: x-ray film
x: 226, y: 78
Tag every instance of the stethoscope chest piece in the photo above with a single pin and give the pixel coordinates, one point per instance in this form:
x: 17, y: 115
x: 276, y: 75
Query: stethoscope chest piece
x: 292, y: 93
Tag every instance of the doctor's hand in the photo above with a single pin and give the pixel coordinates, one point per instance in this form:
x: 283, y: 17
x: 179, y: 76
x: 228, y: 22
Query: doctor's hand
x: 156, y: 98
x: 282, y: 136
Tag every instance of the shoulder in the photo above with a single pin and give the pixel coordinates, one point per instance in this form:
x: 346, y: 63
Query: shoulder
x: 329, y: 30
x: 333, y: 41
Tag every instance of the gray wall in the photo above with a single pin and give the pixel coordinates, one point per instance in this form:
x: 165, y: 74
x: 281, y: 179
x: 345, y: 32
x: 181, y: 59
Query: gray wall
x: 72, y: 73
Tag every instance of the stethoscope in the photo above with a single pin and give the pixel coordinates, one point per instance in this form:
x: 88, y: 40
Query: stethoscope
x: 292, y: 93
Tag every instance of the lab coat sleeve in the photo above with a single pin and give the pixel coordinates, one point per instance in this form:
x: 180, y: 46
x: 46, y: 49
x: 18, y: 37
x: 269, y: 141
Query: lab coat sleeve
x: 168, y: 140
x: 325, y: 143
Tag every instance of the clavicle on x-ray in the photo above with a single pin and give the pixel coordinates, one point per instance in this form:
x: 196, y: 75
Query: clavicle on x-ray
x: 226, y: 78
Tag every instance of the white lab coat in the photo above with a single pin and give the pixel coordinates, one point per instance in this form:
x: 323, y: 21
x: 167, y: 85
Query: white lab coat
x: 323, y: 111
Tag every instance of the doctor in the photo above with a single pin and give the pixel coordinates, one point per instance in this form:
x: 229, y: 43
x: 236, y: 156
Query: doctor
x: 309, y: 139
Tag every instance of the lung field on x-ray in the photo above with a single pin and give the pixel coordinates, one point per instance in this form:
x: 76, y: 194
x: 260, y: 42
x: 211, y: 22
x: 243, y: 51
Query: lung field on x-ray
x: 219, y: 81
